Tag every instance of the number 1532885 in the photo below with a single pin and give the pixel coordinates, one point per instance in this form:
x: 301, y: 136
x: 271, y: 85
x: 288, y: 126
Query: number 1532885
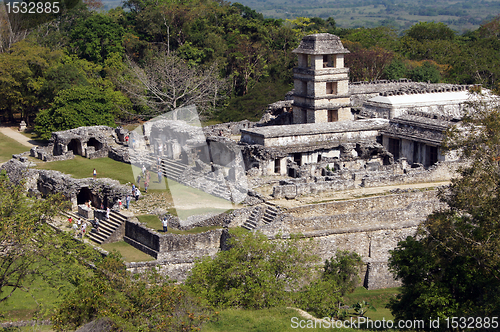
x: 32, y: 7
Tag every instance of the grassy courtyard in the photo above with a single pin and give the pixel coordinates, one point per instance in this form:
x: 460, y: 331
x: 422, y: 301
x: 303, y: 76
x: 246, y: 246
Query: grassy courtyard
x: 81, y: 167
x: 128, y: 252
x: 8, y: 147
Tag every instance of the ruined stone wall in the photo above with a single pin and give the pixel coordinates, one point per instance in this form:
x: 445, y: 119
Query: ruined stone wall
x: 177, y: 270
x: 372, y: 175
x: 292, y: 190
x: 42, y: 182
x: 441, y: 171
x: 362, y: 91
x: 228, y: 128
x: 369, y: 226
x: 169, y: 246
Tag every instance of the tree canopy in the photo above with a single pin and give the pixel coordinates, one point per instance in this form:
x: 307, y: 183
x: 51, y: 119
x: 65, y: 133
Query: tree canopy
x: 30, y: 247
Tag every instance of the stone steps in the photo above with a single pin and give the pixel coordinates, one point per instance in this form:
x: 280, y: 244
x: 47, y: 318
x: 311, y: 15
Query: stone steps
x: 107, y: 227
x: 252, y: 222
x: 271, y: 211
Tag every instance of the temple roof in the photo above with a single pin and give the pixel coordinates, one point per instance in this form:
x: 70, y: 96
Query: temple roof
x: 321, y: 43
x: 317, y: 128
x: 440, y: 98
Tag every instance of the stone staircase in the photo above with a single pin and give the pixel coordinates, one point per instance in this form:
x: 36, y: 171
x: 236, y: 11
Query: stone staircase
x: 252, y: 221
x: 107, y: 227
x: 271, y: 211
x: 173, y: 170
x: 170, y: 168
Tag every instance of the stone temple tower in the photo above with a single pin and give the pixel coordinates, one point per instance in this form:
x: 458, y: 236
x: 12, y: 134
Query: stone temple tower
x: 321, y: 81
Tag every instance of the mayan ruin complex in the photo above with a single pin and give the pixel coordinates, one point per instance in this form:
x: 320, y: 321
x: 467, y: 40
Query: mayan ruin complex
x: 355, y: 166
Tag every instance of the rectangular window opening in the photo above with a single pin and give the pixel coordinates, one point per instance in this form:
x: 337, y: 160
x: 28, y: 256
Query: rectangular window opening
x: 333, y: 115
x: 331, y: 88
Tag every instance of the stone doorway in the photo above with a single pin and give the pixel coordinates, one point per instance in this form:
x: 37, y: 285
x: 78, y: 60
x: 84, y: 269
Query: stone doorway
x: 75, y: 146
x: 95, y: 143
x: 84, y: 195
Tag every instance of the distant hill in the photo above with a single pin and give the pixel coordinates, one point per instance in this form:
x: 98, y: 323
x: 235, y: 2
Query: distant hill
x: 460, y: 15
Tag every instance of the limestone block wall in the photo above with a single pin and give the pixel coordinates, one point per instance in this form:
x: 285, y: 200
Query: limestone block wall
x: 341, y: 137
x: 442, y: 171
x: 369, y: 226
x: 175, y: 270
x: 169, y: 246
x: 293, y: 190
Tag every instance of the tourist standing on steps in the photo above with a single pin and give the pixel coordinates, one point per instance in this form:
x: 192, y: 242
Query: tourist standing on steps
x: 137, y: 194
x: 94, y: 173
x: 165, y: 224
x: 119, y: 205
x: 127, y: 201
x: 159, y: 175
x: 107, y: 213
x: 84, y: 228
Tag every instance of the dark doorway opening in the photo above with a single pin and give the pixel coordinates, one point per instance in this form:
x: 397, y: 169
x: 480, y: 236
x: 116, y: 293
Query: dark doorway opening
x: 277, y: 168
x: 86, y: 195
x: 333, y: 115
x: 297, y: 158
x: 75, y: 146
x: 415, y: 152
x: 95, y: 143
x: 394, y: 148
x: 432, y: 155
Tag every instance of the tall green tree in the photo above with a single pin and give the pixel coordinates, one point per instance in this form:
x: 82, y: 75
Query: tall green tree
x: 253, y: 273
x: 79, y: 106
x: 22, y: 77
x: 147, y: 302
x: 96, y: 37
x: 29, y: 247
x: 340, y: 276
x: 452, y: 268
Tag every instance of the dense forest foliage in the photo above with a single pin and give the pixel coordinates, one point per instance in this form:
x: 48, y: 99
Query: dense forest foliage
x: 86, y: 66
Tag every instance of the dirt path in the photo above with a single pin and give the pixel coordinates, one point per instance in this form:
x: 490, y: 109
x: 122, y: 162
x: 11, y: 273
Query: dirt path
x: 17, y: 136
x: 353, y: 194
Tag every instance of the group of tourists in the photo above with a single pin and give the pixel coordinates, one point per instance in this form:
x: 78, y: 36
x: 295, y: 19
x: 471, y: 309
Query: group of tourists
x: 79, y: 227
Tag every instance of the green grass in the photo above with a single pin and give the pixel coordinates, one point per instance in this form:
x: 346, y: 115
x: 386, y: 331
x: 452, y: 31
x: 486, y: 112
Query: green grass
x: 379, y: 298
x: 8, y: 147
x: 129, y: 253
x: 153, y: 222
x: 280, y: 319
x: 80, y: 167
x: 37, y: 303
x: 195, y: 230
x: 264, y: 320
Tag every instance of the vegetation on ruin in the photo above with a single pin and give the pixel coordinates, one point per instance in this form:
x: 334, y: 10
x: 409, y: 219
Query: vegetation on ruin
x: 451, y: 269
x: 257, y: 273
